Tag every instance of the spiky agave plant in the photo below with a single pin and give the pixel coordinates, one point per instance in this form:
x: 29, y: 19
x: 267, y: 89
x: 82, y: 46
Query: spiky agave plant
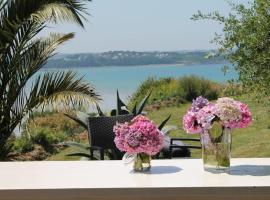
x: 23, y: 53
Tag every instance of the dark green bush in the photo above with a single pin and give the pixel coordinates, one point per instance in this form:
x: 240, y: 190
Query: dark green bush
x: 42, y: 136
x: 46, y: 129
x: 47, y: 139
x: 193, y: 86
x: 183, y: 89
x: 23, y: 144
x: 56, y: 122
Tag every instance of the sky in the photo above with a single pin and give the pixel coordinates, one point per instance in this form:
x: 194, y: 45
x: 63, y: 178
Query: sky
x: 144, y: 25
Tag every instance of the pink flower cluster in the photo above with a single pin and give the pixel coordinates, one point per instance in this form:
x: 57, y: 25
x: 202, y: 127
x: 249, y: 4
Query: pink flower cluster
x: 230, y: 113
x: 139, y: 136
x: 245, y: 120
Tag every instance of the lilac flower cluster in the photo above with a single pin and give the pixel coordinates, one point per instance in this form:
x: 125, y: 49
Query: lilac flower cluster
x: 139, y: 136
x: 227, y: 111
x: 199, y: 103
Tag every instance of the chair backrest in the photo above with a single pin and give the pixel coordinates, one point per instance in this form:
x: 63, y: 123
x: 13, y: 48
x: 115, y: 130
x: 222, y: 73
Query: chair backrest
x: 100, y: 130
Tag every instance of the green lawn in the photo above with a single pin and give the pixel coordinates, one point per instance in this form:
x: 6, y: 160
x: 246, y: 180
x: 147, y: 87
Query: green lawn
x: 253, y: 141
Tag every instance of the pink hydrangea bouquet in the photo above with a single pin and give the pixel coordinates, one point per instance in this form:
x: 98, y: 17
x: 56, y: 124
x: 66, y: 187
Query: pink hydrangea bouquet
x: 140, y: 139
x: 227, y: 111
x: 214, y: 122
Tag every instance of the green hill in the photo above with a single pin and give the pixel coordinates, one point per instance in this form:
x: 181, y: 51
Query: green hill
x: 132, y: 58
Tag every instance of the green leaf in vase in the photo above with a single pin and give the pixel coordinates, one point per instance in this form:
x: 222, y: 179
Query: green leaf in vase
x: 216, y: 130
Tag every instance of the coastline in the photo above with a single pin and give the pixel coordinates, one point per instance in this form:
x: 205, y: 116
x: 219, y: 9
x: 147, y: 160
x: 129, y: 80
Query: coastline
x: 132, y: 66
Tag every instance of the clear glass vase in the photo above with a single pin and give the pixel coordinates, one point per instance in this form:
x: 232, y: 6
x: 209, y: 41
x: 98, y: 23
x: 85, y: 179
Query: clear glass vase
x: 142, y: 162
x: 216, y: 149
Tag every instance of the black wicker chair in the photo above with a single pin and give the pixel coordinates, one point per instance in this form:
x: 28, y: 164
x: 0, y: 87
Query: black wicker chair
x: 101, y: 135
x: 177, y: 143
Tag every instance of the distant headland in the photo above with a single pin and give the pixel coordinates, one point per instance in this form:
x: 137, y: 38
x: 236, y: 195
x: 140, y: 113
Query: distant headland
x: 134, y: 58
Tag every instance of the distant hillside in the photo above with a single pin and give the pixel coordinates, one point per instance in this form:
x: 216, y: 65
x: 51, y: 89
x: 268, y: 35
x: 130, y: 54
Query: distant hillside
x: 130, y: 58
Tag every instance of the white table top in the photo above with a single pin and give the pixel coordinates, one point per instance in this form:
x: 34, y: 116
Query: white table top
x: 101, y: 178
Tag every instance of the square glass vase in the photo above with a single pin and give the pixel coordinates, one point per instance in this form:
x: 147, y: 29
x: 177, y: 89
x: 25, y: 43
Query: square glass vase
x: 216, y: 151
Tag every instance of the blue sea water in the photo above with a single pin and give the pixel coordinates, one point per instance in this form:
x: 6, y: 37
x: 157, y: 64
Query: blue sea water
x: 107, y: 80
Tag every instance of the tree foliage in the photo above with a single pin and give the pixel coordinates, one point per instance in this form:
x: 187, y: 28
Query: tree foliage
x: 245, y: 42
x: 23, y: 53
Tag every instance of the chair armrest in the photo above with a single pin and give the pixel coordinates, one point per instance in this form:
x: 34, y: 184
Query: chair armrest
x: 95, y: 148
x: 183, y: 139
x: 184, y: 146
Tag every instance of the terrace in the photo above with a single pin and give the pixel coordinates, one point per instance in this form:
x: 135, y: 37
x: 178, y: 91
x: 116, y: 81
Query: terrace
x: 185, y: 125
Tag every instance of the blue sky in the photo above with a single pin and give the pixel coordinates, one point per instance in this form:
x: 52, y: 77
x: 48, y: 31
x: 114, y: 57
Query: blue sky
x: 144, y: 25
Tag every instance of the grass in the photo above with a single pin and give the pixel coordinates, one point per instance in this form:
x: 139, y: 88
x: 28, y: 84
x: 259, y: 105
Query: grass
x: 253, y: 141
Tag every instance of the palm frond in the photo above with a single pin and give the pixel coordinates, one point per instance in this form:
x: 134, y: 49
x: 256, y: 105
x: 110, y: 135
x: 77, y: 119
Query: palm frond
x: 22, y: 54
x: 23, y: 69
x: 60, y: 90
x: 62, y: 87
x: 42, y: 11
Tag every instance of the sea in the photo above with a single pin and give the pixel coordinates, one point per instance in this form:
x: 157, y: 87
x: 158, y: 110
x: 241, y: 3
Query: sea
x: 126, y: 79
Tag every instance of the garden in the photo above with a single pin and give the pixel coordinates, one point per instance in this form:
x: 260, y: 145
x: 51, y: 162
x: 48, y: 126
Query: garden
x: 51, y: 109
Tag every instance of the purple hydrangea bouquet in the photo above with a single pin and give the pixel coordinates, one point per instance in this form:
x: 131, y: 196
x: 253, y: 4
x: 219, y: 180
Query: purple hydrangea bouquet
x: 214, y: 122
x: 140, y: 139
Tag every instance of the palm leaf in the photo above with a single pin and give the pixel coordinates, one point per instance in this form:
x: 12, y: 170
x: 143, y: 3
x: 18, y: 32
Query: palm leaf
x: 42, y: 11
x: 61, y: 88
x: 21, y: 70
x: 23, y: 53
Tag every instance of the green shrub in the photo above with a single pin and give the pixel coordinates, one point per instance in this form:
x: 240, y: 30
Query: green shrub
x: 193, y: 86
x: 233, y: 89
x: 46, y: 129
x: 56, y: 122
x: 183, y: 89
x: 42, y: 136
x: 47, y: 139
x: 23, y: 144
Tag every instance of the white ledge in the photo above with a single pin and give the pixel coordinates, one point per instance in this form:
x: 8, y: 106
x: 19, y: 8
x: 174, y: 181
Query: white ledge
x: 168, y: 179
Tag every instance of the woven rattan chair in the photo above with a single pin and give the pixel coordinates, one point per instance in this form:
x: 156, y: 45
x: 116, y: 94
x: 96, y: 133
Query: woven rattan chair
x: 101, y: 135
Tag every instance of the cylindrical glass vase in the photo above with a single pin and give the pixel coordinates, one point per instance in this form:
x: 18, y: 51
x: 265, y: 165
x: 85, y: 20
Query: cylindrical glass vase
x: 142, y: 162
x: 216, y: 149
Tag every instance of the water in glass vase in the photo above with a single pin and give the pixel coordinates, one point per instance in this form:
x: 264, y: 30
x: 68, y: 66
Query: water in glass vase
x: 142, y: 162
x: 216, y: 149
